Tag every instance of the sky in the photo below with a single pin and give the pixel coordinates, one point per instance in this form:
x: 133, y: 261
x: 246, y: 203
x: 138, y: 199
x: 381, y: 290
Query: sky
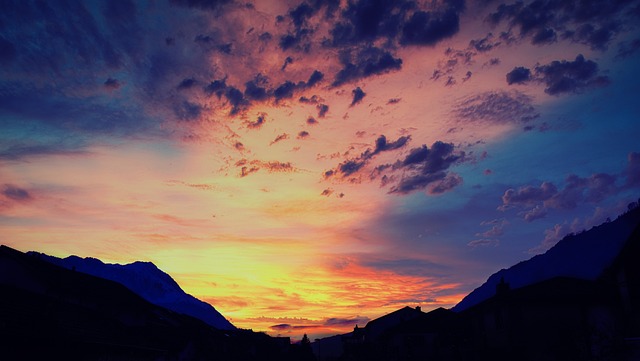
x: 306, y: 166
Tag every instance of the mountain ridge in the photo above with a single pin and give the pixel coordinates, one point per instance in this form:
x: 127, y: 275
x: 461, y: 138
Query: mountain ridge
x: 585, y: 255
x: 147, y: 280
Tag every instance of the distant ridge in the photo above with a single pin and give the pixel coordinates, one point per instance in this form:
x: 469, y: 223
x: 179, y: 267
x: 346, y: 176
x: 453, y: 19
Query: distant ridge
x: 149, y: 282
x: 584, y: 256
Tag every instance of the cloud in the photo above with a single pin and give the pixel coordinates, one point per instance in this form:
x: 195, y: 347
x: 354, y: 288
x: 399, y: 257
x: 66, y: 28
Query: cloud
x: 596, y: 188
x: 336, y: 321
x: 262, y: 118
x: 322, y: 110
x: 528, y: 195
x: 314, y: 79
x: 15, y: 193
x: 536, y: 212
x: 426, y: 169
x: 518, y: 75
x: 570, y: 76
x: 484, y: 243
x: 22, y: 151
x: 587, y: 22
x: 284, y: 91
x: 497, y: 107
x: 112, y: 84
x: 210, y: 5
x: 428, y: 28
x: 303, y: 134
x: 354, y: 165
x: 279, y: 138
x: 358, y: 95
x: 248, y: 167
x: 364, y: 63
x: 626, y: 49
x: 256, y: 89
x: 187, y: 110
x: 485, y: 44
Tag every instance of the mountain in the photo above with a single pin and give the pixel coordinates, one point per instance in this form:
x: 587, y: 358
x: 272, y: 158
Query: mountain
x: 146, y: 280
x: 584, y: 256
x: 49, y: 312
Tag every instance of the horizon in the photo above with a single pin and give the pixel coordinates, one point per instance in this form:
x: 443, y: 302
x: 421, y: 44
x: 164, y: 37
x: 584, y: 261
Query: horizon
x: 284, y: 161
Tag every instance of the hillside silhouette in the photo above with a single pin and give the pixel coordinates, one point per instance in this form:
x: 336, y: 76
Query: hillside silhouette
x: 48, y: 312
x: 578, y: 301
x: 149, y: 282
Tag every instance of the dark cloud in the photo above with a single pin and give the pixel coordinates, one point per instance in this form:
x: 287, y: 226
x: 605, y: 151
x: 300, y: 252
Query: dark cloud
x: 364, y: 63
x: 426, y: 169
x: 365, y: 21
x: 313, y: 100
x: 284, y: 91
x: 594, y: 23
x: 187, y: 83
x: 497, y: 107
x: 75, y: 116
x: 544, y: 36
x: 529, y: 195
x: 322, y: 110
x: 216, y: 87
x: 349, y: 167
x: 236, y: 99
x: 346, y: 321
x: 315, y: 78
x: 570, y: 76
x: 354, y: 165
x: 626, y: 49
x: 262, y: 118
x: 596, y: 188
x: 187, y: 110
x: 358, y: 95
x: 518, y: 75
x: 312, y: 121
x: 485, y: 44
x: 111, y: 84
x: 15, y: 193
x: 21, y: 151
x: 256, y: 89
x: 211, y: 5
x: 303, y: 134
x: 428, y: 28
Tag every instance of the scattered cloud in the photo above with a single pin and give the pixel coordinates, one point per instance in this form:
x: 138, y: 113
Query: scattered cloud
x: 358, y: 95
x: 496, y: 107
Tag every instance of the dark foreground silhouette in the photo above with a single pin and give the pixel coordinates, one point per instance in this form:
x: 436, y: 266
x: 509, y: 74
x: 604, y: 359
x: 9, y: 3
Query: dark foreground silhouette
x: 49, y: 312
x: 594, y: 315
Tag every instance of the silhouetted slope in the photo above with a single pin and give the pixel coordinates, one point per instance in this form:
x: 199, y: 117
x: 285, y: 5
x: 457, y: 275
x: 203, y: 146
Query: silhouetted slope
x: 48, y: 312
x: 145, y: 279
x: 585, y: 256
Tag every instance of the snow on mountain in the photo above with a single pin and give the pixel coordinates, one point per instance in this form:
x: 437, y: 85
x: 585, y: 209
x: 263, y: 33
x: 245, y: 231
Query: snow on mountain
x: 585, y: 256
x: 152, y: 284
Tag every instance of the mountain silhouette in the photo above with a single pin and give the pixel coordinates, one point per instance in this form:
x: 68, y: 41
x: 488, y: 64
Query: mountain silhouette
x: 148, y: 281
x: 49, y: 312
x: 584, y: 256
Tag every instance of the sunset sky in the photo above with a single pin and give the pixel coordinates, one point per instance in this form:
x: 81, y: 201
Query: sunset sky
x: 309, y: 166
